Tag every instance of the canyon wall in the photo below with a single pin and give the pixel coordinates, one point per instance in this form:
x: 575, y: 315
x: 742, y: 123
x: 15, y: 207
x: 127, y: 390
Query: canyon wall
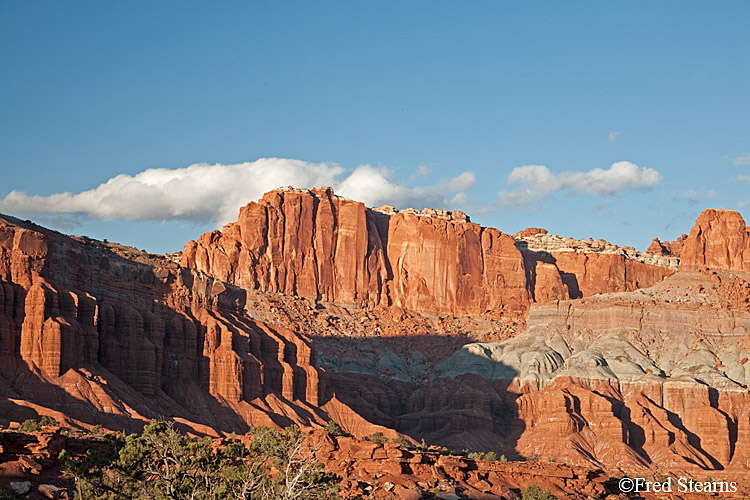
x: 316, y: 244
x: 650, y: 379
x: 624, y: 367
x: 80, y: 321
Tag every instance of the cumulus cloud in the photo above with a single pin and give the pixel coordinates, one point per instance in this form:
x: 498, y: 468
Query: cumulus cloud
x: 375, y: 186
x: 537, y: 181
x: 205, y: 193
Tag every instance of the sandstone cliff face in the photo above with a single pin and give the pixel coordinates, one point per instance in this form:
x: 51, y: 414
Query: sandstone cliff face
x: 719, y: 240
x: 653, y: 377
x: 587, y: 267
x: 658, y: 247
x: 316, y: 244
x: 80, y: 316
x: 632, y: 378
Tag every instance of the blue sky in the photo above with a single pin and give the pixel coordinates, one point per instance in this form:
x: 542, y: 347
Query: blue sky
x: 431, y: 103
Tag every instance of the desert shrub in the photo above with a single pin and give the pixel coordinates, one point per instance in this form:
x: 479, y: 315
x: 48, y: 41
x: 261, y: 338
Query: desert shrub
x: 490, y: 456
x: 32, y: 425
x: 534, y: 492
x: 378, y: 437
x: 162, y: 464
x: 403, y: 442
x: 334, y: 429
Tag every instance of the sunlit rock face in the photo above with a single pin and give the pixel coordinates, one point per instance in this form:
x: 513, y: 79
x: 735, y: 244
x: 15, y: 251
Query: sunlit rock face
x: 610, y: 357
x: 316, y: 244
x: 719, y: 240
x: 656, y: 376
x: 108, y: 334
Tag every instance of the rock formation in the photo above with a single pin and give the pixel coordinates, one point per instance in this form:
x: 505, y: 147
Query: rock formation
x: 719, y: 240
x: 674, y: 248
x: 105, y: 335
x: 657, y: 376
x: 316, y: 244
x: 427, y: 325
x: 587, y: 267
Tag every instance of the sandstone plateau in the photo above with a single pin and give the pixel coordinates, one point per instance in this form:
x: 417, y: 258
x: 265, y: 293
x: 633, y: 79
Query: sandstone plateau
x: 312, y: 307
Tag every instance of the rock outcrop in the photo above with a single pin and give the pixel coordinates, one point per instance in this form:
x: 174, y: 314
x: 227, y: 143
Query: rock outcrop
x: 316, y: 244
x: 674, y: 248
x: 586, y: 267
x: 106, y: 335
x: 652, y: 378
x: 719, y: 240
x: 629, y: 363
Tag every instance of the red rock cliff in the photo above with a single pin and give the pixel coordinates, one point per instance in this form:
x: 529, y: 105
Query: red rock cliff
x: 134, y: 336
x: 719, y: 240
x: 317, y: 244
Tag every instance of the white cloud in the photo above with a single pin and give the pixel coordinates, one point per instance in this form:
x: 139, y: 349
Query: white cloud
x: 422, y: 171
x: 613, y: 136
x: 538, y: 181
x: 739, y: 159
x: 743, y: 178
x: 214, y: 193
x: 742, y: 204
x: 694, y: 197
x: 375, y: 187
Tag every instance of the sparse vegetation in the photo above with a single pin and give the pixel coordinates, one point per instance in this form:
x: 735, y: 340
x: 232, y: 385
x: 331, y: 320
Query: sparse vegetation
x: 403, y: 442
x: 334, y: 429
x: 32, y: 425
x: 490, y: 456
x: 378, y: 437
x: 163, y: 464
x: 534, y: 492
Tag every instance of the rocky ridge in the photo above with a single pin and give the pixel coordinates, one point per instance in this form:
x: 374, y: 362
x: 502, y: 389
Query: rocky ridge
x: 654, y: 377
x: 108, y: 339
x: 366, y: 469
x: 551, y: 243
x: 315, y: 244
